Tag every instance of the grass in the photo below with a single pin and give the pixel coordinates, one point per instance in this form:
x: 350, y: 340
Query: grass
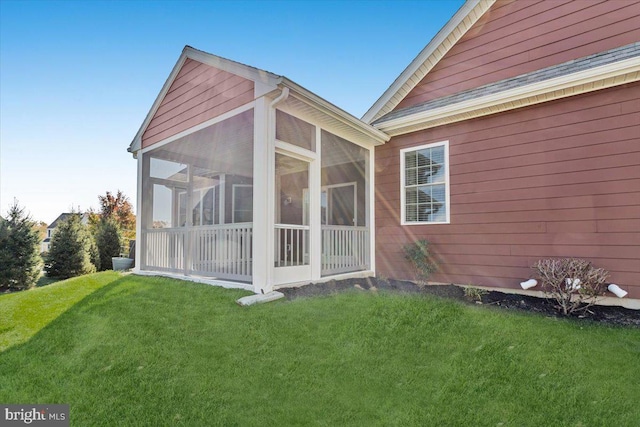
x: 129, y: 351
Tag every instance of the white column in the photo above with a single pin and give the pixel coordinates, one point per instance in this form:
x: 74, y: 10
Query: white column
x: 315, y: 226
x: 370, y: 204
x: 140, y: 213
x: 263, y: 189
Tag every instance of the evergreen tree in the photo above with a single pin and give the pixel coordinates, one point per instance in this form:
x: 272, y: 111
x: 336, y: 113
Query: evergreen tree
x: 19, y: 250
x: 109, y: 241
x: 70, y: 251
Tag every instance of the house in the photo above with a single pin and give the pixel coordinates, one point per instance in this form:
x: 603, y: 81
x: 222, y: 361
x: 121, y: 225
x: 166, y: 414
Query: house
x: 531, y: 110
x: 46, y: 242
x: 513, y: 136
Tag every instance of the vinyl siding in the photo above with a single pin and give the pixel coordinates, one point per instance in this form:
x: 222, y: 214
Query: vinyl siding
x: 559, y: 179
x: 198, y: 93
x: 517, y: 37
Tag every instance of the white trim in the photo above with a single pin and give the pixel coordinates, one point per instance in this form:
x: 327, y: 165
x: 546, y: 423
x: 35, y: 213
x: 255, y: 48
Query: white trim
x: 370, y: 213
x: 302, y: 94
x: 242, y: 70
x: 294, y: 151
x: 136, y: 144
x: 229, y: 114
x: 197, y: 279
x: 614, y: 74
x: 139, y: 214
x: 444, y: 40
x: 324, y: 279
x: 403, y: 213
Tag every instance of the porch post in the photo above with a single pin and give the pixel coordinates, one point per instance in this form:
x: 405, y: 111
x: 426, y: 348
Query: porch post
x: 141, y: 213
x: 315, y: 220
x: 370, y: 204
x: 263, y: 190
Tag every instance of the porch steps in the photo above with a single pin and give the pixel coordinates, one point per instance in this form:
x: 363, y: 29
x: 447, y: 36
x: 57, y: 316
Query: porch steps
x: 259, y: 298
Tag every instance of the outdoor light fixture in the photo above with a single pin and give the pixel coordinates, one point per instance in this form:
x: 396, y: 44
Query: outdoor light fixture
x: 529, y: 284
x: 617, y: 290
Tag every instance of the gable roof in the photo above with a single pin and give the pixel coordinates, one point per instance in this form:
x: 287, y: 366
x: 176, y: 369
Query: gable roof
x: 64, y: 216
x: 610, y: 68
x: 444, y: 40
x: 265, y: 82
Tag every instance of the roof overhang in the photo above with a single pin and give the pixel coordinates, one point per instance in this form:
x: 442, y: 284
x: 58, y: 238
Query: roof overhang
x: 444, y: 40
x: 614, y: 74
x: 350, y: 126
x: 267, y: 83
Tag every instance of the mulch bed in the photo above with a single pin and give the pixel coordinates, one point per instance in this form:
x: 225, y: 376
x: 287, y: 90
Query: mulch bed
x: 611, y: 315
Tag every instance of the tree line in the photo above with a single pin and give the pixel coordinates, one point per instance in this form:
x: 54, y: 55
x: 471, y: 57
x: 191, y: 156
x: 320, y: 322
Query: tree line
x: 75, y: 248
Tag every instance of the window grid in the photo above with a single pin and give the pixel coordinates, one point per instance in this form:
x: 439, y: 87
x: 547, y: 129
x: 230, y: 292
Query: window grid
x: 425, y: 183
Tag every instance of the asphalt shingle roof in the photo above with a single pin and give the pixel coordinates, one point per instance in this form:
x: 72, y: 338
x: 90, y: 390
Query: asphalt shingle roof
x: 581, y: 64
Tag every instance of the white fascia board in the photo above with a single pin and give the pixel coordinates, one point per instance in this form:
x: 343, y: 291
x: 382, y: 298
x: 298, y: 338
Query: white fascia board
x: 136, y: 144
x: 457, y: 26
x: 265, y: 82
x: 337, y: 113
x: 250, y: 73
x: 543, y: 90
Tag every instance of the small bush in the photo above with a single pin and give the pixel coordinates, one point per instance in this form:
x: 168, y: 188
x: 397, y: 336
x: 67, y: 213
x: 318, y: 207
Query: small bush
x: 475, y: 294
x: 418, y: 254
x: 574, y: 284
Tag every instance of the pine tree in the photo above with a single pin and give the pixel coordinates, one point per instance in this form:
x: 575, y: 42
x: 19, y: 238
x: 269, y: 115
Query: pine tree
x: 70, y: 251
x: 109, y: 241
x: 19, y: 250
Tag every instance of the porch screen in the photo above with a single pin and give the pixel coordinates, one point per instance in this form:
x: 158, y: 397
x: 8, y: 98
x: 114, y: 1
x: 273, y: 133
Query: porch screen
x: 197, y: 210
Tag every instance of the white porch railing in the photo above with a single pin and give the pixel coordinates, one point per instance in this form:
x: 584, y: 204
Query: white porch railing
x: 222, y: 251
x: 344, y: 249
x: 225, y: 251
x: 292, y: 245
x: 163, y: 249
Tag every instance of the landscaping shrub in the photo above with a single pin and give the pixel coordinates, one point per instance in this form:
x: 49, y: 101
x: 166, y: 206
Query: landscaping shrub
x: 418, y: 254
x: 573, y: 283
x: 109, y: 241
x: 19, y: 250
x: 70, y: 251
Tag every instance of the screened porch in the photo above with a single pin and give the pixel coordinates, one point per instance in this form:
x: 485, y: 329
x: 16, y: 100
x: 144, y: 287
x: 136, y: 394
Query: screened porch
x: 199, y: 203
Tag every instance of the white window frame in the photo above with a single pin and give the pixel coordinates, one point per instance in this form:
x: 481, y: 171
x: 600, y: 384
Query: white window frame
x: 403, y: 195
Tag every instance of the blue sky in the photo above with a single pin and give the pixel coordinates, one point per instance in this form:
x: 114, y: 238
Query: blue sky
x: 77, y: 78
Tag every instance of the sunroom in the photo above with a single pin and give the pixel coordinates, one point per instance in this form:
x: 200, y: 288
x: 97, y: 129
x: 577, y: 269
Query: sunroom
x: 247, y: 179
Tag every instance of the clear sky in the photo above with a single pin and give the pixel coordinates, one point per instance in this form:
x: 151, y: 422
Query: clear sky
x: 77, y: 78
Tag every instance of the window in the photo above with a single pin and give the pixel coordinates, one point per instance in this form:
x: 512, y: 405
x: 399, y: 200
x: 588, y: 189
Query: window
x: 425, y: 184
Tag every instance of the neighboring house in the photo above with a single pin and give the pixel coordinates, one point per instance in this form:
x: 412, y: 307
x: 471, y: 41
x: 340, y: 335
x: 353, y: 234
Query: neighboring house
x: 513, y: 136
x: 46, y: 242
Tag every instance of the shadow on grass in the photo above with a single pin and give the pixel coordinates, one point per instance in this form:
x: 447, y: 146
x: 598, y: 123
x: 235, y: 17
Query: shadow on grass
x: 24, y: 314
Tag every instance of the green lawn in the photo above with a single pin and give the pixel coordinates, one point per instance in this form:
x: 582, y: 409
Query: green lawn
x: 131, y: 351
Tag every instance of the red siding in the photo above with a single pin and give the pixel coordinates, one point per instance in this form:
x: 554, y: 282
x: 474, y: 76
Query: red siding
x: 198, y: 93
x: 560, y: 179
x: 517, y: 37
